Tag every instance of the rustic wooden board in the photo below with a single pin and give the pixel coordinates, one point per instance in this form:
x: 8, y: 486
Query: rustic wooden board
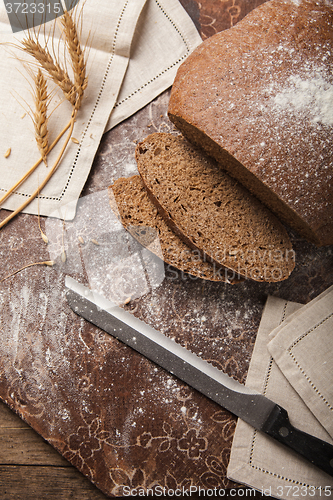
x: 41, y: 483
x: 110, y: 413
x: 31, y: 469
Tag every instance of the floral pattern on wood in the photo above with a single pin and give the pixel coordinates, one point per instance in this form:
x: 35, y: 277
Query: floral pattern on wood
x: 121, y: 420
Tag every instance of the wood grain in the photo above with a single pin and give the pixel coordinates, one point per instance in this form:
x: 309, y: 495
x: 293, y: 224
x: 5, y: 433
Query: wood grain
x: 39, y: 483
x: 31, y: 469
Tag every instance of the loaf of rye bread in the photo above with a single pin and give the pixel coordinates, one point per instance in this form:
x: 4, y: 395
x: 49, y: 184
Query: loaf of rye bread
x: 129, y: 200
x: 258, y: 97
x: 211, y: 211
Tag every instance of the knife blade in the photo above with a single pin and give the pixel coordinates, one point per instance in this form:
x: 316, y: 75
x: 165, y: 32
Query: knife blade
x: 252, y: 407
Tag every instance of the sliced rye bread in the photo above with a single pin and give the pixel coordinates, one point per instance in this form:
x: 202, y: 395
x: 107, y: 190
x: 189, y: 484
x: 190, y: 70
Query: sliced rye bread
x: 211, y: 211
x: 265, y: 109
x: 129, y: 200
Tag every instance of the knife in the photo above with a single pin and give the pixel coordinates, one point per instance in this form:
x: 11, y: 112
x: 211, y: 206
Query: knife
x: 249, y: 405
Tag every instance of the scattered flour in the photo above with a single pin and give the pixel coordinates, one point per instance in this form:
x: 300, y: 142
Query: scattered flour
x: 313, y: 94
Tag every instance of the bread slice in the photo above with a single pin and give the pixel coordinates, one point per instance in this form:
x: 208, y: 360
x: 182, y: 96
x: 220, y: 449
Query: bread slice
x: 265, y: 110
x: 211, y: 211
x: 130, y: 202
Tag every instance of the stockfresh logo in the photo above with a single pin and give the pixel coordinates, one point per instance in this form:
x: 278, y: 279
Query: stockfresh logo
x: 30, y: 14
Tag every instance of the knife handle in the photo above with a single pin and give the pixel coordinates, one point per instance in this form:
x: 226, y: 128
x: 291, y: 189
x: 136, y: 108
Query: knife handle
x: 318, y: 452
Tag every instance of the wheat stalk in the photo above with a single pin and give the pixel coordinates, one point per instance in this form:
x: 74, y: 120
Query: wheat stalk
x: 33, y: 168
x: 72, y: 91
x: 40, y: 115
x: 76, y: 55
x: 49, y: 263
x: 57, y: 73
x: 47, y: 178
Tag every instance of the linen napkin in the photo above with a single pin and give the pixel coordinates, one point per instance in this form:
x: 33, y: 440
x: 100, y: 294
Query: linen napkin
x: 292, y: 365
x: 164, y: 36
x: 155, y: 36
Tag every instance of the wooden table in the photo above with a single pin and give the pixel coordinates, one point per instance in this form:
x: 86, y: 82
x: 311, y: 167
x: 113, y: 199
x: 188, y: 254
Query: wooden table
x: 30, y: 468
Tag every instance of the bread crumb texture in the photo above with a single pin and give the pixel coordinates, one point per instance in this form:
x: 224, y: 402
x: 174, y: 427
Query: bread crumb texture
x: 130, y: 202
x: 265, y: 111
x: 211, y: 211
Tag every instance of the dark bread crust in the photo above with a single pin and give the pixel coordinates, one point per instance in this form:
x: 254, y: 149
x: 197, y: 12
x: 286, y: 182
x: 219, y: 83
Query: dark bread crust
x: 255, y: 98
x: 211, y: 211
x: 130, y: 202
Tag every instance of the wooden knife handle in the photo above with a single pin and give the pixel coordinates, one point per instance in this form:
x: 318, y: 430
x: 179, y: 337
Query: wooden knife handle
x: 317, y: 451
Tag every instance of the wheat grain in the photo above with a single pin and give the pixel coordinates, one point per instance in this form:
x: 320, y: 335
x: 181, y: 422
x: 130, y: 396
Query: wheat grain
x: 7, y: 153
x: 40, y: 115
x: 76, y: 55
x: 43, y: 235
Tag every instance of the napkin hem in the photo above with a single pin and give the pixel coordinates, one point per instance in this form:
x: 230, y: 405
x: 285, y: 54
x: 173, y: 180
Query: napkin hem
x: 165, y: 77
x: 63, y: 203
x: 247, y: 462
x: 284, y: 352
x: 114, y: 56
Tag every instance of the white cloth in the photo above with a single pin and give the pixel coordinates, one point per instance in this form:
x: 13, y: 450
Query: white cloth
x: 292, y: 365
x: 155, y: 36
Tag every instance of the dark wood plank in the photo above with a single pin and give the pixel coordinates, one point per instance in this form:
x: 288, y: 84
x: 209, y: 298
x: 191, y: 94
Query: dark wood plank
x: 9, y: 420
x: 41, y: 483
x: 25, y: 447
x: 21, y: 445
x: 31, y: 469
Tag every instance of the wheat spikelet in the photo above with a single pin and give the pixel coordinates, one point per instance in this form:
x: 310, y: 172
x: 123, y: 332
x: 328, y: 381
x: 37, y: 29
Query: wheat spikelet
x: 53, y: 68
x: 49, y: 63
x: 76, y: 55
x: 69, y: 126
x: 40, y: 115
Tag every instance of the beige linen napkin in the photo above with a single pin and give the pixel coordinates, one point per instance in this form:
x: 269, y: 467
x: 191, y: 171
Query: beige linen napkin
x: 164, y: 37
x: 155, y: 35
x: 292, y: 365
